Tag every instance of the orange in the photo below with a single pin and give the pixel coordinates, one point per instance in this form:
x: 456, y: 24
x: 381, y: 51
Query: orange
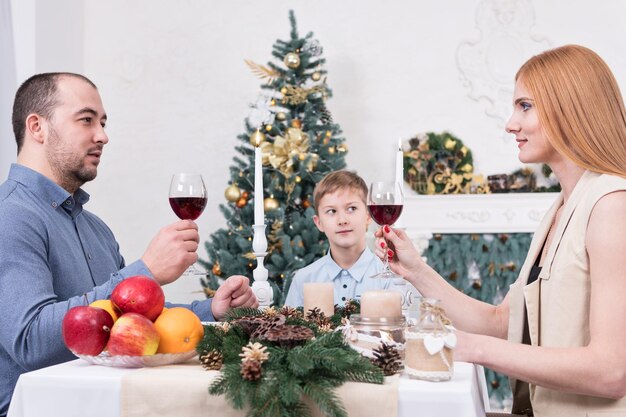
x: 180, y: 330
x: 108, y: 306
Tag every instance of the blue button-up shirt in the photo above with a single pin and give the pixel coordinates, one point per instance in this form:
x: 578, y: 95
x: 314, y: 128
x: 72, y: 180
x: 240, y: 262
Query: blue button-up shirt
x: 348, y: 283
x: 54, y: 255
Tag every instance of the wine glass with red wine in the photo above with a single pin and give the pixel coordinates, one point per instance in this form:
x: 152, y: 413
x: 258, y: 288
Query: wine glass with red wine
x: 384, y: 202
x: 188, y: 199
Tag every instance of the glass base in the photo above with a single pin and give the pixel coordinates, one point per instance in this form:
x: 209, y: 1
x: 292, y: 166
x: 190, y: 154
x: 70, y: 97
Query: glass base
x: 193, y: 271
x: 388, y: 274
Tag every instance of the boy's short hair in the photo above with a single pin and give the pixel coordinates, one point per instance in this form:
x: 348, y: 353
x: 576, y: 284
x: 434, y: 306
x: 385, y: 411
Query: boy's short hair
x: 339, y: 180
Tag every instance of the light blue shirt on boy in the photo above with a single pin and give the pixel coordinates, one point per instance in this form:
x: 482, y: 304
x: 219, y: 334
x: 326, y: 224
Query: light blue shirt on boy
x: 349, y: 283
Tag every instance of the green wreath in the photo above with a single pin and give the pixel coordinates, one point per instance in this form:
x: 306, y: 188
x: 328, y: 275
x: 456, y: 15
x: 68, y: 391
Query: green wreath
x: 438, y: 163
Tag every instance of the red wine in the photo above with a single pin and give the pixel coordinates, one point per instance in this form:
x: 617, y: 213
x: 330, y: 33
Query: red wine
x: 188, y: 208
x: 385, y: 213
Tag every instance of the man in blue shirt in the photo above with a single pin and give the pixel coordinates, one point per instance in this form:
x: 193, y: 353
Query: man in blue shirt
x: 341, y: 213
x: 55, y: 255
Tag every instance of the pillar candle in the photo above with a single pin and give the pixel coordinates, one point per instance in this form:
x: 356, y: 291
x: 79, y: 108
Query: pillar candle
x: 320, y: 295
x: 259, y: 215
x: 381, y: 303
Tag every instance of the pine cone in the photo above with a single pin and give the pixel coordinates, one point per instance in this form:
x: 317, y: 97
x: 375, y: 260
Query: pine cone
x: 254, y: 352
x: 251, y: 370
x: 289, y: 312
x: 316, y: 316
x: 313, y: 314
x: 350, y: 308
x: 212, y: 360
x: 387, y: 358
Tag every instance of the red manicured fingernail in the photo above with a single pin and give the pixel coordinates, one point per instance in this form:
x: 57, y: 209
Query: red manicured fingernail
x: 390, y: 253
x: 382, y: 245
x: 386, y: 229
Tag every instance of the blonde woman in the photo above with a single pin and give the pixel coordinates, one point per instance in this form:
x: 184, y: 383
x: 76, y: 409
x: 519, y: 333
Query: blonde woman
x: 560, y: 333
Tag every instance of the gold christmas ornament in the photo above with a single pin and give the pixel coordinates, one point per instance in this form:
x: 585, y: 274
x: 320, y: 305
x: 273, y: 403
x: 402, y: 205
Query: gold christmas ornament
x: 298, y: 179
x: 331, y: 150
x: 329, y: 133
x: 450, y: 144
x: 217, y: 269
x: 281, y: 116
x: 268, y: 128
x: 467, y: 168
x: 283, y: 90
x: 342, y: 148
x: 316, y: 76
x: 257, y: 138
x: 270, y: 204
x: 292, y: 60
x: 232, y: 193
x: 297, y: 123
x: 302, y: 156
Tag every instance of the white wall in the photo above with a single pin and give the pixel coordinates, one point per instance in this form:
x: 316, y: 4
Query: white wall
x: 176, y: 89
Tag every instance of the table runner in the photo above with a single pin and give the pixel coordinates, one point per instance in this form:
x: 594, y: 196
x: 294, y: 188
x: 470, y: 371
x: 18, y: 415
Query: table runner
x: 183, y: 390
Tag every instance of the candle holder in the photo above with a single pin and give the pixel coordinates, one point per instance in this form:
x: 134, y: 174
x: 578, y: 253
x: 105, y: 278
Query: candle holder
x: 429, y: 344
x: 365, y: 334
x: 261, y: 286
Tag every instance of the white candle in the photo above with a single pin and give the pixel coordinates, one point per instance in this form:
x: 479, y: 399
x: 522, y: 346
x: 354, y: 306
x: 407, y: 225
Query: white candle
x: 400, y: 166
x: 400, y: 177
x: 320, y: 295
x: 381, y: 303
x: 259, y: 214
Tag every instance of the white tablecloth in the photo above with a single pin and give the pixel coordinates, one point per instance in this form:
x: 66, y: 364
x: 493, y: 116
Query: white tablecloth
x: 79, y: 389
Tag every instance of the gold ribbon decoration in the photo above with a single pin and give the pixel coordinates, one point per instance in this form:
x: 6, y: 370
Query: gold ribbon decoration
x: 294, y: 96
x: 282, y: 152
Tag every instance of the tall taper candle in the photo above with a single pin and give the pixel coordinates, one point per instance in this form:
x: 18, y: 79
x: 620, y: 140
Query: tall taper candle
x: 400, y: 178
x: 259, y: 214
x: 400, y: 166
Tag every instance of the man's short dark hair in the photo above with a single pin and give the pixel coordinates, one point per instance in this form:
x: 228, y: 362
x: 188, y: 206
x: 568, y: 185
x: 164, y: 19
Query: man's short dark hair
x: 37, y: 95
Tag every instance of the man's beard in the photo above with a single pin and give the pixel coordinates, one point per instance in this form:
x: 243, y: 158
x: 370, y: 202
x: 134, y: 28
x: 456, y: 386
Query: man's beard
x: 68, y: 166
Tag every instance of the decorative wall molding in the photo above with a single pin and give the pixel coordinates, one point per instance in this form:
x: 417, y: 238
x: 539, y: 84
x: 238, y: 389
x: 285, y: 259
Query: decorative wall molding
x: 475, y: 213
x: 488, y: 66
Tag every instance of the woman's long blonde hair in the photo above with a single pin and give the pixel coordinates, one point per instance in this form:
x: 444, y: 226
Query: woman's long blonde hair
x: 580, y: 107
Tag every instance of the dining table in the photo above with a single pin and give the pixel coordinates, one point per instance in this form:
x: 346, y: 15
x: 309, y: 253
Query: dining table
x: 78, y: 388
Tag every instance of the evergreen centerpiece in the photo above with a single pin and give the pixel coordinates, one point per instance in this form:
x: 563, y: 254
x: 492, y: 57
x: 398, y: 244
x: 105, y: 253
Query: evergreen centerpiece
x: 300, y: 145
x: 272, y: 358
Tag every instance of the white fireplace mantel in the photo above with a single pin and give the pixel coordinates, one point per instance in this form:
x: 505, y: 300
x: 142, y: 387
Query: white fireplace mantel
x: 475, y: 213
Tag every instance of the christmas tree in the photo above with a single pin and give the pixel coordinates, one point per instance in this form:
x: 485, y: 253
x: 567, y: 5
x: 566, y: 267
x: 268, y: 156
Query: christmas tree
x: 300, y: 144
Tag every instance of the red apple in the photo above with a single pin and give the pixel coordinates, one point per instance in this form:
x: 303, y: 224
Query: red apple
x: 86, y: 330
x: 133, y: 335
x: 139, y: 294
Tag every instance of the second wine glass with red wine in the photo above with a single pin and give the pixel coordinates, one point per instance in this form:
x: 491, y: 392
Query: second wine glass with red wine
x: 384, y: 202
x: 188, y: 199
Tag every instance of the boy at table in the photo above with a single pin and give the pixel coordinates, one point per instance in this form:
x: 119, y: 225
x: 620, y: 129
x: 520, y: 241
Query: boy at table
x: 55, y: 255
x: 341, y: 213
